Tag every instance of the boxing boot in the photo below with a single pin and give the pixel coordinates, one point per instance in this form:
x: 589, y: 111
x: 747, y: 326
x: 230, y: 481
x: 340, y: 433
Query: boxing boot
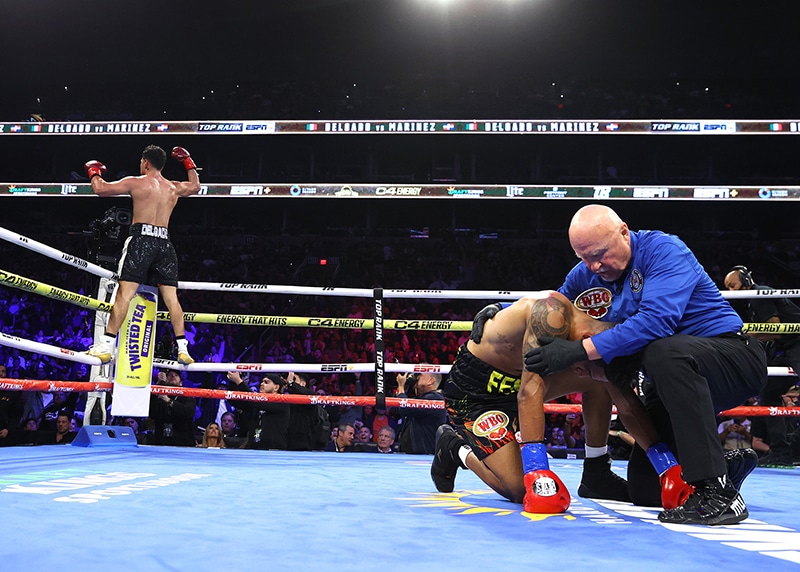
x: 600, y: 482
x: 445, y: 458
x: 183, y: 352
x: 103, y: 349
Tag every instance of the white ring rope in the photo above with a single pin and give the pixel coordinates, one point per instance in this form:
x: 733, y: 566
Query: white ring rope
x: 353, y: 292
x: 266, y: 367
x: 71, y: 355
x: 56, y: 254
x: 82, y: 264
x: 270, y: 367
x: 47, y: 349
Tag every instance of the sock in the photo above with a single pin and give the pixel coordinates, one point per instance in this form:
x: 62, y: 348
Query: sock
x: 183, y: 345
x: 594, y: 452
x: 463, y: 453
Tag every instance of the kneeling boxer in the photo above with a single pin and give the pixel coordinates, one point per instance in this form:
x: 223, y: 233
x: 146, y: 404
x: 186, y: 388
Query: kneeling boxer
x: 490, y: 396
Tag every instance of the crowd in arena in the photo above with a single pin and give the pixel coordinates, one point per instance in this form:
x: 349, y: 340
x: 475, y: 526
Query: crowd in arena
x: 445, y: 260
x: 442, y: 262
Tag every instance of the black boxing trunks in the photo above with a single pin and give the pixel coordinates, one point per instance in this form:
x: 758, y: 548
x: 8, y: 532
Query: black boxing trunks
x: 148, y: 257
x: 481, y: 403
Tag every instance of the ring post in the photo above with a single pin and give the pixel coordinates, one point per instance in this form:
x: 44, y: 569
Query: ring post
x: 135, y: 356
x: 380, y: 371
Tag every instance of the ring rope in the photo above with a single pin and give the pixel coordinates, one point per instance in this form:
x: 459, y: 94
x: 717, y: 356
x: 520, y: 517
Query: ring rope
x: 56, y: 254
x: 353, y: 292
x: 354, y: 400
x: 772, y: 328
x: 269, y: 367
x: 48, y: 291
x: 379, y: 367
x: 89, y: 303
x: 47, y: 349
x: 364, y: 367
x: 77, y: 262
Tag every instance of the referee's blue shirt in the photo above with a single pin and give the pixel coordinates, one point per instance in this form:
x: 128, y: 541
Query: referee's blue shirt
x: 664, y: 291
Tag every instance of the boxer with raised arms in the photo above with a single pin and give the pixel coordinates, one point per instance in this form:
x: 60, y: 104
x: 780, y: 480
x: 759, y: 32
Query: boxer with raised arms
x: 148, y: 256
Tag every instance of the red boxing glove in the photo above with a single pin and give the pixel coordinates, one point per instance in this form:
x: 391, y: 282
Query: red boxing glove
x: 545, y: 493
x: 94, y: 168
x: 674, y: 490
x: 182, y: 155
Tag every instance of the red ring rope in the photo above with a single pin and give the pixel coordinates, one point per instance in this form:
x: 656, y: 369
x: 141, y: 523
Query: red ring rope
x: 354, y: 400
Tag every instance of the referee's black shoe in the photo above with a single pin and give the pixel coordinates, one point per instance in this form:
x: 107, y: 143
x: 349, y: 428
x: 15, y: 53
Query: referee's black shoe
x: 741, y: 463
x: 777, y: 459
x: 714, y: 502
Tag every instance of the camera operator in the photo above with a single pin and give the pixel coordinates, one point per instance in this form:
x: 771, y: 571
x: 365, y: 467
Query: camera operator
x: 268, y: 422
x: 172, y: 415
x: 418, y: 425
x: 782, y: 350
x: 302, y: 418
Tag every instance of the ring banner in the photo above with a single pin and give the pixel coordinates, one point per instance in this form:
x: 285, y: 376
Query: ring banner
x: 380, y: 368
x: 8, y: 384
x: 135, y: 356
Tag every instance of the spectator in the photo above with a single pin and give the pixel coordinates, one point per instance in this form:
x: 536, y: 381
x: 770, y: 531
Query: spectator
x: 735, y: 434
x: 385, y: 439
x: 133, y: 423
x: 233, y: 435
x: 29, y: 434
x: 302, y: 418
x: 9, y: 400
x: 378, y: 419
x: 212, y: 437
x: 63, y: 434
x: 557, y: 439
x: 343, y: 441
x: 212, y: 409
x: 418, y: 425
x: 364, y: 435
x: 173, y: 416
x: 782, y: 350
x: 268, y: 423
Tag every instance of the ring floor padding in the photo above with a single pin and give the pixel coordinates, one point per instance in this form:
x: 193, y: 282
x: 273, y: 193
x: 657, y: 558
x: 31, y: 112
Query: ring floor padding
x: 166, y: 508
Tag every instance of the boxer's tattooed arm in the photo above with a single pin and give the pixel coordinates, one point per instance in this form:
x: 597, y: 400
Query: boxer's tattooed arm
x: 551, y: 318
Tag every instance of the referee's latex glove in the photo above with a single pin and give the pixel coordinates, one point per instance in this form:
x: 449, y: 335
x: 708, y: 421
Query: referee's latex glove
x: 480, y: 319
x: 554, y: 354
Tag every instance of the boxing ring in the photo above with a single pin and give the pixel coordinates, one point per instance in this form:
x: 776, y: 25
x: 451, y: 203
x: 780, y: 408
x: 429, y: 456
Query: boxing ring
x: 172, y: 508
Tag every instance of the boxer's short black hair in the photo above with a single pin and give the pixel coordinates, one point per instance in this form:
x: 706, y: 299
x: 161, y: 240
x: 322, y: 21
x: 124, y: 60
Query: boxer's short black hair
x: 156, y: 156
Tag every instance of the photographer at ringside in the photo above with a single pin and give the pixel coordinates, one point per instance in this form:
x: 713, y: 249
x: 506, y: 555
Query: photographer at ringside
x: 172, y: 415
x: 782, y: 350
x: 417, y: 427
x: 306, y: 432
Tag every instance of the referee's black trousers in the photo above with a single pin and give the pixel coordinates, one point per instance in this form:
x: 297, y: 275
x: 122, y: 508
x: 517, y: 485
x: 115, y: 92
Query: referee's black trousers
x: 691, y: 380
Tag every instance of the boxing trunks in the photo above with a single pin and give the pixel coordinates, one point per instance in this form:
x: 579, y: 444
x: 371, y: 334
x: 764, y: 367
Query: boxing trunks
x: 481, y: 403
x: 148, y: 257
